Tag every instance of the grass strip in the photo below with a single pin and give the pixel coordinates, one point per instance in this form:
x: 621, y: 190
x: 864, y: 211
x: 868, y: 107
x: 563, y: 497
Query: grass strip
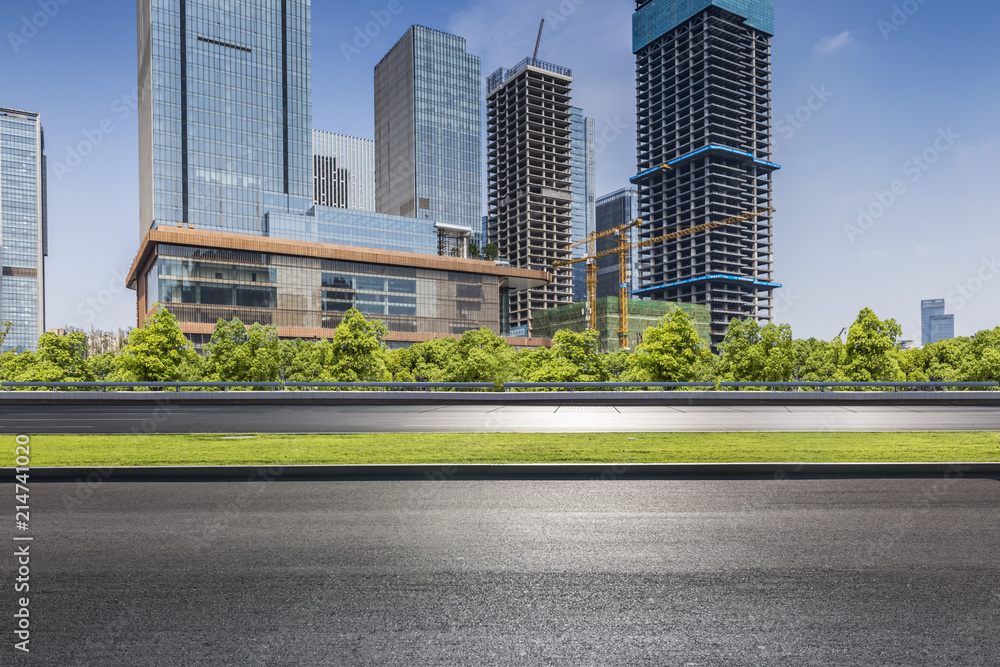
x: 161, y: 450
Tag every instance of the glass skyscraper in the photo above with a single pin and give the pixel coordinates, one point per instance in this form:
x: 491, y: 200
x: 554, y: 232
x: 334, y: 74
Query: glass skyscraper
x: 225, y: 113
x: 613, y: 210
x: 343, y: 171
x: 584, y: 186
x: 935, y: 326
x: 23, y: 227
x: 428, y: 130
x: 703, y: 95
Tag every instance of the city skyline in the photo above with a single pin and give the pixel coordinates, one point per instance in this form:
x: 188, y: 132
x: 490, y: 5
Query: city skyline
x: 860, y: 230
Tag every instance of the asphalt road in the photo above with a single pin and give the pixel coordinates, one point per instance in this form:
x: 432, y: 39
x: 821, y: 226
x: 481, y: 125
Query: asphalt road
x: 827, y: 572
x: 489, y: 418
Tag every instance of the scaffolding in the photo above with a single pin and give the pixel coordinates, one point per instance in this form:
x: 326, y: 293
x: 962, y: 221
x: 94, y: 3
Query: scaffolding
x: 641, y: 316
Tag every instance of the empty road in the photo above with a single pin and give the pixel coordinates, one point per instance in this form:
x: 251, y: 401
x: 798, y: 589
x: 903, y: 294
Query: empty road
x: 822, y: 572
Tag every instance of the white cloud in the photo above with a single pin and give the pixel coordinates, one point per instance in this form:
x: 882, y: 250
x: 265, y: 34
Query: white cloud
x: 828, y: 45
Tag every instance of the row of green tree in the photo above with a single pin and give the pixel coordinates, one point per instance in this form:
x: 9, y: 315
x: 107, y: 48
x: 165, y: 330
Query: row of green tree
x: 672, y: 351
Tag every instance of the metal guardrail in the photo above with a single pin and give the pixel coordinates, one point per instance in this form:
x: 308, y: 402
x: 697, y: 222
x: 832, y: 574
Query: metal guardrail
x: 821, y: 386
x: 573, y: 386
x: 225, y: 386
x: 507, y: 386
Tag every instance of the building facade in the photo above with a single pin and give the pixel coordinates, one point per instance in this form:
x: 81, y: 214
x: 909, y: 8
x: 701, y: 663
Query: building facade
x: 703, y: 70
x: 530, y: 154
x: 614, y: 210
x: 641, y: 316
x: 343, y: 171
x: 23, y: 228
x: 428, y: 130
x: 584, y: 186
x: 224, y: 113
x: 305, y: 289
x: 935, y: 325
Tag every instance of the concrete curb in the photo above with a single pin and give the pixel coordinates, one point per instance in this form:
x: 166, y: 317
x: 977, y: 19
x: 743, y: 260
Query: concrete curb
x: 539, y: 471
x: 968, y: 398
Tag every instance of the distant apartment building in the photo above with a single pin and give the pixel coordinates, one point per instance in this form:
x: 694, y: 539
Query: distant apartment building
x: 23, y: 227
x: 343, y: 171
x: 229, y: 222
x: 530, y: 158
x: 703, y: 80
x: 584, y: 187
x: 428, y: 130
x: 935, y: 325
x: 614, y: 210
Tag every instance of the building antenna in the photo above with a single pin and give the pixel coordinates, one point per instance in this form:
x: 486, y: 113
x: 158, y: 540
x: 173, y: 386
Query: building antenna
x: 534, y: 58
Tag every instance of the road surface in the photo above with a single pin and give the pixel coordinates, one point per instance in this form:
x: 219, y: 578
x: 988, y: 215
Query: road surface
x: 819, y: 572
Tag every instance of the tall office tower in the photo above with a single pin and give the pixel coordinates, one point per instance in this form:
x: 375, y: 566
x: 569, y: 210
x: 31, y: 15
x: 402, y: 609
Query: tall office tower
x: 224, y: 113
x: 584, y: 169
x: 23, y: 228
x: 613, y: 210
x: 530, y: 153
x: 427, y: 130
x: 343, y: 171
x: 703, y: 77
x: 935, y: 325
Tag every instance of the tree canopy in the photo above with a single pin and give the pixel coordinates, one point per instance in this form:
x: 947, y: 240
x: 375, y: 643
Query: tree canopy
x: 671, y: 351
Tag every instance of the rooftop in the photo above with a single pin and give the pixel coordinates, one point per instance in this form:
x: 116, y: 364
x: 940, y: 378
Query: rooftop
x: 502, y: 76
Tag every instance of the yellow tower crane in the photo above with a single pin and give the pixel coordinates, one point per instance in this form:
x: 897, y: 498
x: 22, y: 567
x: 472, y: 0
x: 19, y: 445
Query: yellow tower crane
x: 622, y: 251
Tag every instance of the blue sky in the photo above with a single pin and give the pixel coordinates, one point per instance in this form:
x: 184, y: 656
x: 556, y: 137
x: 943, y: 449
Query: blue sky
x: 885, y: 125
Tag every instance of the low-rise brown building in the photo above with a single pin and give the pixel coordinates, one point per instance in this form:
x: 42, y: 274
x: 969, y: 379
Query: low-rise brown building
x: 304, y: 289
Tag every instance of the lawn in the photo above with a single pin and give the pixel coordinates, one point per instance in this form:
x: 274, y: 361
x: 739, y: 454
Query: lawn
x: 156, y: 450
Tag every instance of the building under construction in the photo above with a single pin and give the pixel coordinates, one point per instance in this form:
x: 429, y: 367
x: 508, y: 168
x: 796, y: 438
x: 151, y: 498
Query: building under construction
x: 530, y: 177
x: 704, y: 109
x: 641, y: 316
